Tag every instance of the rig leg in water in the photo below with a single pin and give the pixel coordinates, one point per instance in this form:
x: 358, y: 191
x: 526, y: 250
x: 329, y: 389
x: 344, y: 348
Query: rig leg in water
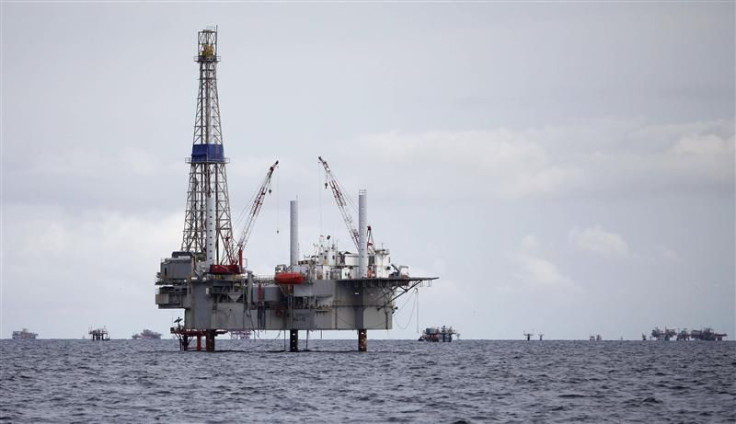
x: 209, y: 340
x: 184, y: 342
x: 294, y: 341
x: 362, y: 340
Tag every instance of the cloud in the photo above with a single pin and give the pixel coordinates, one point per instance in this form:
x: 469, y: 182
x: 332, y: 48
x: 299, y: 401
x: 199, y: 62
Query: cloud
x: 665, y: 253
x: 105, y: 260
x: 529, y: 243
x: 94, y: 162
x: 87, y: 241
x: 535, y: 270
x: 599, y: 241
x: 594, y: 158
x: 702, y: 156
x: 508, y: 163
x: 702, y: 145
x: 540, y: 272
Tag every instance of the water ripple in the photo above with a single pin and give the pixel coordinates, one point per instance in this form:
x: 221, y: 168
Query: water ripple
x: 396, y: 381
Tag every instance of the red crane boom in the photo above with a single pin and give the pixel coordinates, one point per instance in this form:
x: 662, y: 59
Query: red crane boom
x: 255, y: 208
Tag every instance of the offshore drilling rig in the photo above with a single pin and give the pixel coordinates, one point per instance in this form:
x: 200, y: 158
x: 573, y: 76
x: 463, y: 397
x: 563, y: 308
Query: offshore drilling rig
x: 328, y: 290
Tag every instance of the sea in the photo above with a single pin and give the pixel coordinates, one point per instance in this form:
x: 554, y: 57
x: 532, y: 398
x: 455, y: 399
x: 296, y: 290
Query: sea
x: 466, y: 381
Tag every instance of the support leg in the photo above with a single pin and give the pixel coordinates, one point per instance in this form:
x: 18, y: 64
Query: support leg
x: 362, y: 340
x: 209, y: 340
x: 294, y: 341
x: 199, y: 342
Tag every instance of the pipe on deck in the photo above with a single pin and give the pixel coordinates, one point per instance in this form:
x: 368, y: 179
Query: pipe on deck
x: 362, y: 234
x: 294, y: 233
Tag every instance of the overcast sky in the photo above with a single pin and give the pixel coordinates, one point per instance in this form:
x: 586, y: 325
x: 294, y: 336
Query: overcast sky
x: 564, y: 168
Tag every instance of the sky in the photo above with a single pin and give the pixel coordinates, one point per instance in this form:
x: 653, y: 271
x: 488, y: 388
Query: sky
x: 563, y: 168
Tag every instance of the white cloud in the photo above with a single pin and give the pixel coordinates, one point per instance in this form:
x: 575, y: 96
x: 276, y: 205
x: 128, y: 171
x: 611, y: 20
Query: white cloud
x: 594, y: 158
x: 95, y: 162
x: 529, y: 243
x: 599, y: 241
x: 540, y: 272
x: 703, y: 145
x: 104, y: 260
x: 702, y: 156
x: 536, y: 271
x: 665, y: 253
x: 503, y: 162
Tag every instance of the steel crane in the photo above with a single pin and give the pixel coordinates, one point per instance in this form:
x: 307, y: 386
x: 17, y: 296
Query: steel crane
x: 342, y: 204
x: 255, y: 208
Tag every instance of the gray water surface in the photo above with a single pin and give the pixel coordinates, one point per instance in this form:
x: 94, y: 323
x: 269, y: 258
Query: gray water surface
x: 395, y: 381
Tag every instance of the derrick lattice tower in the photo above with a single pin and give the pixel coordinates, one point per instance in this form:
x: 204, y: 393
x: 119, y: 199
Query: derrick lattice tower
x: 207, y: 223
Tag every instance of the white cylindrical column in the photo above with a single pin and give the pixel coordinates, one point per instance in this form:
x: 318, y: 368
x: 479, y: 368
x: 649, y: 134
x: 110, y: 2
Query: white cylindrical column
x: 210, y: 231
x: 362, y: 234
x: 294, y: 233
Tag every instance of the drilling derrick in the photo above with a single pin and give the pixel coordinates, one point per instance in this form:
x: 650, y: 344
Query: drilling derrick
x: 207, y: 225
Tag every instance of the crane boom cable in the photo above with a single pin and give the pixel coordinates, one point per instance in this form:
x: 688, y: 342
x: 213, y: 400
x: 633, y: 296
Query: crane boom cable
x: 256, y: 204
x: 342, y: 203
x: 246, y: 208
x: 337, y: 193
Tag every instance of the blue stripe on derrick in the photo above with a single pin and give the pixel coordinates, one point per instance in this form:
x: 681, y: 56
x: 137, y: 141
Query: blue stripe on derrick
x: 208, y: 153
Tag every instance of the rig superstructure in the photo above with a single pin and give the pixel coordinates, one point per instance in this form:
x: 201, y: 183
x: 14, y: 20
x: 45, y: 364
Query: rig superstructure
x: 146, y: 334
x: 705, y: 334
x: 328, y: 290
x: 438, y: 334
x: 99, y: 334
x: 24, y: 334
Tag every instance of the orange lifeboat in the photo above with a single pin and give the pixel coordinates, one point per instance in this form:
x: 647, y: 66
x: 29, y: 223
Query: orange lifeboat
x: 289, y: 278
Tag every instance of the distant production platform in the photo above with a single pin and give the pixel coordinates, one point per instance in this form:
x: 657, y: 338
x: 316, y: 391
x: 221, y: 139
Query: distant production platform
x: 327, y: 290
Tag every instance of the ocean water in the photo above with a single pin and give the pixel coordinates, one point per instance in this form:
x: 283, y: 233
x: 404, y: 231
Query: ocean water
x: 395, y: 381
